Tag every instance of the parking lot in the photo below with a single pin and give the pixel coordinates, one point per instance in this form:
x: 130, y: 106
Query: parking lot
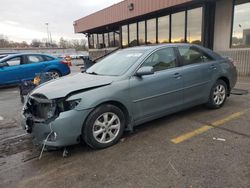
x: 194, y: 148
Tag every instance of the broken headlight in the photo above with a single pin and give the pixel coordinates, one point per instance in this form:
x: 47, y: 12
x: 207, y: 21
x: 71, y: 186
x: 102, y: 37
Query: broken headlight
x: 67, y: 105
x: 51, y: 110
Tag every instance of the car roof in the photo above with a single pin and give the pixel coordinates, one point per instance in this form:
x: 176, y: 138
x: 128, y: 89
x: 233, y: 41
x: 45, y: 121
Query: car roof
x: 156, y: 46
x: 150, y: 48
x: 18, y: 54
x: 27, y: 53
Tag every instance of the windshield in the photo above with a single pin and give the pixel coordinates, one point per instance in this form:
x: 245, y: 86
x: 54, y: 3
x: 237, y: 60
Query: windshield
x: 116, y: 64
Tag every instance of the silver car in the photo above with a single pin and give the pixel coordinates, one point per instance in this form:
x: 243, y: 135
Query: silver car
x: 127, y: 88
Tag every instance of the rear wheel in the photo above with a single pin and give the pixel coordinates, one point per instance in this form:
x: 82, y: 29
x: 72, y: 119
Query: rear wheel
x: 55, y: 74
x: 218, y: 95
x: 104, y: 126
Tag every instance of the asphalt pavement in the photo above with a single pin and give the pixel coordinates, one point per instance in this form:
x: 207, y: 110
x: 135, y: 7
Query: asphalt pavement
x: 194, y: 148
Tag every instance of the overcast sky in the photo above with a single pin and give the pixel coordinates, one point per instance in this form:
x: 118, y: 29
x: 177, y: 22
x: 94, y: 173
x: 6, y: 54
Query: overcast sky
x: 24, y: 20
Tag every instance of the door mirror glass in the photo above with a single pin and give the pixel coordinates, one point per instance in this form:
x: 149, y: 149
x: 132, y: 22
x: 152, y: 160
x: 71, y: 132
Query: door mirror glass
x: 146, y: 70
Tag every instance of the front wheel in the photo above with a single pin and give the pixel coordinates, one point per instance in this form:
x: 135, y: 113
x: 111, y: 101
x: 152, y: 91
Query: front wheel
x: 218, y: 95
x: 104, y: 126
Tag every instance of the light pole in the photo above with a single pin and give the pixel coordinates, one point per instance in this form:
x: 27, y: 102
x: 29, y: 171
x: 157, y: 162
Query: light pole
x: 47, y: 26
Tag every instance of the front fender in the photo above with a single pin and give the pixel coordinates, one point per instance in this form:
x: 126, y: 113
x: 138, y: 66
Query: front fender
x: 118, y: 92
x: 51, y: 67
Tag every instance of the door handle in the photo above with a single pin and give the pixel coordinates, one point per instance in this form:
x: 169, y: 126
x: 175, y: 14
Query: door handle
x: 177, y: 75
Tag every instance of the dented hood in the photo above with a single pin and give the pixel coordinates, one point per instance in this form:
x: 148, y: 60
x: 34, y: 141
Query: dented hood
x: 66, y: 85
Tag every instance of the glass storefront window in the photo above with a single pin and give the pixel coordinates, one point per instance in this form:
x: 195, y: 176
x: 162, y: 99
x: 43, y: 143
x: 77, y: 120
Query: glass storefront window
x: 151, y: 31
x: 141, y: 32
x: 133, y: 34
x: 241, y: 26
x: 91, y: 41
x: 125, y: 36
x: 111, y: 39
x: 178, y: 27
x: 194, y: 26
x: 106, y: 40
x: 117, y: 39
x: 100, y: 40
x: 163, y: 29
x: 96, y: 44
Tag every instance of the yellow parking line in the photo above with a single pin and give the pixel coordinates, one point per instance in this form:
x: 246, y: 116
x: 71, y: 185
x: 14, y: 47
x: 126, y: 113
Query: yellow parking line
x: 205, y: 128
x: 229, y: 118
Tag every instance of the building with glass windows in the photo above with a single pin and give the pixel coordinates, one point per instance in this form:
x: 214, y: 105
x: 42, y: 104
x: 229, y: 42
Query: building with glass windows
x: 222, y: 25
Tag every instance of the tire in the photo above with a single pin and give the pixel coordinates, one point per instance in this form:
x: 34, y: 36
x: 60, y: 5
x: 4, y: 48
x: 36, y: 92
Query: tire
x: 55, y: 74
x: 99, y: 132
x: 218, y: 95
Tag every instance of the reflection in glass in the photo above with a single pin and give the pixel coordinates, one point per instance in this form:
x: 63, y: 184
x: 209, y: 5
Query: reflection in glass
x: 106, y: 40
x: 194, y: 26
x: 141, y: 32
x: 111, y: 39
x: 163, y: 29
x: 95, y: 41
x: 125, y: 36
x: 133, y: 34
x: 117, y: 39
x: 91, y: 42
x: 241, y: 27
x: 178, y: 27
x: 100, y: 39
x: 151, y: 31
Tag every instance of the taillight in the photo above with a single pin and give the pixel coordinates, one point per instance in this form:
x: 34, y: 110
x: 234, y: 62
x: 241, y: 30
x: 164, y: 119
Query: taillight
x: 234, y: 63
x: 68, y: 63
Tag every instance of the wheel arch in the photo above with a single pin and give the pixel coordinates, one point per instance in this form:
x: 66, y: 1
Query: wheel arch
x: 120, y: 106
x: 226, y: 80
x: 54, y: 69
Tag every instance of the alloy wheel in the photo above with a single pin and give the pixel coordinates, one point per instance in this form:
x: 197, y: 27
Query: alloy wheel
x: 106, y: 127
x: 54, y: 75
x: 219, y: 94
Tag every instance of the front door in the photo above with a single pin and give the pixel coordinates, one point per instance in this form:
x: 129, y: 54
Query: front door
x: 10, y: 73
x: 160, y: 93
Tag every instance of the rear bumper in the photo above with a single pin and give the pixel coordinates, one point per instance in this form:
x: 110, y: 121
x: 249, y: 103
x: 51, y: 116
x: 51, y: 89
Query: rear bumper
x: 234, y: 78
x: 63, y: 131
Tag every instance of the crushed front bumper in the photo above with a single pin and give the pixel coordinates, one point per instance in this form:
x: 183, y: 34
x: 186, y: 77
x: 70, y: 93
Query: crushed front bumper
x: 65, y: 130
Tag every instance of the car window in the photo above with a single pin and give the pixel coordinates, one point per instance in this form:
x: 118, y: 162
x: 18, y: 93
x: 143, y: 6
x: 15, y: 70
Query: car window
x: 192, y: 55
x: 48, y: 58
x: 34, y: 59
x: 162, y: 59
x: 14, y: 61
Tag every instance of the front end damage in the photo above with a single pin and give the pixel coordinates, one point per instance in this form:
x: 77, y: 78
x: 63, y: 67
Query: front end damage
x: 53, y: 122
x: 39, y: 109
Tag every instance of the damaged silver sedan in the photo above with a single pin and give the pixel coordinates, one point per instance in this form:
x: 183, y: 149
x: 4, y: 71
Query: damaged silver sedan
x: 125, y: 89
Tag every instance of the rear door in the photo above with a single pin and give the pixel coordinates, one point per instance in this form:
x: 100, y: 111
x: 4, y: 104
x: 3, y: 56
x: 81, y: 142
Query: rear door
x: 32, y: 65
x: 11, y: 73
x: 198, y: 70
x: 160, y: 93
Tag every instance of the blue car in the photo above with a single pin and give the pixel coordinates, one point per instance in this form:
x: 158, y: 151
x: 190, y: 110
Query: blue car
x: 15, y: 68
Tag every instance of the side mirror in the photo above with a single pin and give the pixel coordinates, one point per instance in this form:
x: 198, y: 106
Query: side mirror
x: 147, y: 70
x: 3, y: 65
